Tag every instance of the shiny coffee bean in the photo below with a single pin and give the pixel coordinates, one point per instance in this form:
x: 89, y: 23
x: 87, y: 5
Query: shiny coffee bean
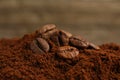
x: 34, y: 47
x: 46, y: 28
x: 66, y: 33
x: 55, y: 38
x: 39, y: 45
x: 48, y: 34
x: 64, y: 37
x: 67, y: 52
x: 94, y: 46
x: 43, y: 44
x: 78, y: 41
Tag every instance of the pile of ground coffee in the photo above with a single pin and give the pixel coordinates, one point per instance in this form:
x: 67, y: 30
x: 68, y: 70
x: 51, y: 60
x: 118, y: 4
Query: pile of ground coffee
x: 18, y: 62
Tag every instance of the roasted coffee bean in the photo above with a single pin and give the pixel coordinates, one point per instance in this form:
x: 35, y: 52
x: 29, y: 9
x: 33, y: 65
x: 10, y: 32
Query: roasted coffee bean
x: 34, y: 47
x: 64, y: 37
x: 46, y: 28
x: 93, y: 46
x: 48, y: 34
x: 66, y: 33
x: 39, y: 45
x: 78, y: 41
x: 67, y: 52
x: 43, y: 44
x: 55, y: 38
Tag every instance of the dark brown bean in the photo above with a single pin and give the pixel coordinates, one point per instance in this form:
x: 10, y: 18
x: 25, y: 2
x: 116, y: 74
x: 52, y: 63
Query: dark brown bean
x: 78, y: 41
x: 46, y: 28
x: 42, y: 43
x: 55, y: 38
x: 66, y: 33
x: 49, y: 33
x: 64, y: 37
x: 67, y: 52
x: 94, y: 46
x: 34, y: 47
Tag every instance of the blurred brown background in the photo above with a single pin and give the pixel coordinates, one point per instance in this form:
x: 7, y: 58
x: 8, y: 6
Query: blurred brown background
x: 96, y: 20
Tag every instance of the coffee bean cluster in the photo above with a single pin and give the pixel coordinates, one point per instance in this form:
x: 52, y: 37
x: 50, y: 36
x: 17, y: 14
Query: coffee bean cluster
x: 64, y: 43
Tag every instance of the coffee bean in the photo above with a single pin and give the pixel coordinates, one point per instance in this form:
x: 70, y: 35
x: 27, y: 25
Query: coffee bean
x: 78, y: 41
x: 34, y: 47
x: 46, y: 28
x: 42, y: 43
x: 55, y: 38
x: 94, y: 46
x: 64, y: 37
x: 67, y: 52
x: 66, y: 33
x: 48, y: 34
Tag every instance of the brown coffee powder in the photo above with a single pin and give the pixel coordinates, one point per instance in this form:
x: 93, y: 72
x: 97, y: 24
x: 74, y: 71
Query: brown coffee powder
x: 18, y: 62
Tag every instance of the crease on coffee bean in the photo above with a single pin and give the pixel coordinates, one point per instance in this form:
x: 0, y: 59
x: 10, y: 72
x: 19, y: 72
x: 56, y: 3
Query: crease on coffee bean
x: 48, y: 34
x: 68, y: 52
x: 35, y: 47
x: 64, y: 38
x: 45, y: 28
x: 49, y: 30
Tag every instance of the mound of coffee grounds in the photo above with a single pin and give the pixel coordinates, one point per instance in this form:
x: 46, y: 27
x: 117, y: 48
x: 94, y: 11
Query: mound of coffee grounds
x: 18, y: 62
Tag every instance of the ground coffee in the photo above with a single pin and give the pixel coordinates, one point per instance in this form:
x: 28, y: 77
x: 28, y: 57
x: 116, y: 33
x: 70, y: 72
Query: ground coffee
x: 19, y: 62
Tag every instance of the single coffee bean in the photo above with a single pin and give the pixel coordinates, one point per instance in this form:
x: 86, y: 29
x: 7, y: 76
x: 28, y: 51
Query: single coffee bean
x: 66, y: 33
x: 94, y: 46
x: 64, y: 37
x: 46, y: 28
x: 43, y: 44
x: 67, y: 52
x: 55, y: 38
x: 34, y: 47
x: 48, y: 34
x: 78, y: 41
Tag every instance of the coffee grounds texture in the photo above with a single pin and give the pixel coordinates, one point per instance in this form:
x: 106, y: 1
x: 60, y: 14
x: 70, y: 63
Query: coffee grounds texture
x: 18, y: 62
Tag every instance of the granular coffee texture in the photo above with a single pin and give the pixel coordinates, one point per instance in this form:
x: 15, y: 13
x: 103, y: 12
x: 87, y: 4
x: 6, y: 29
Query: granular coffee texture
x: 19, y: 62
